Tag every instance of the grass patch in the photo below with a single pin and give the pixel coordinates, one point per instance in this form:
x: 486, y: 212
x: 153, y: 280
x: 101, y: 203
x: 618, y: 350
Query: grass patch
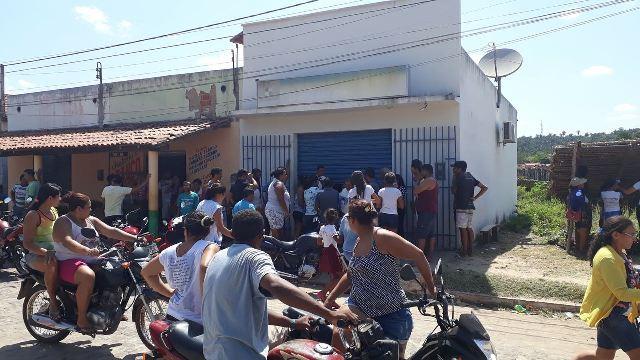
x: 539, y: 213
x: 500, y: 285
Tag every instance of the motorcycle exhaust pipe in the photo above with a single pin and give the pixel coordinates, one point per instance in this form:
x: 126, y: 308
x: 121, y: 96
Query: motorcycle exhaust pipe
x: 47, y: 322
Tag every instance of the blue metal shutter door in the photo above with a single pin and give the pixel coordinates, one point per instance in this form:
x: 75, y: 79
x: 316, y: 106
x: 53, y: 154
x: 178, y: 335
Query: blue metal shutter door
x: 344, y: 152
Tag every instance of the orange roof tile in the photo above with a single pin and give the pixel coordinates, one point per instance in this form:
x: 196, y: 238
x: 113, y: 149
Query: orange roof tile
x: 141, y: 135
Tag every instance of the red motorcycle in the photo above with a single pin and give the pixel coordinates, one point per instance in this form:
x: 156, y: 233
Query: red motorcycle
x: 182, y: 340
x: 11, y: 247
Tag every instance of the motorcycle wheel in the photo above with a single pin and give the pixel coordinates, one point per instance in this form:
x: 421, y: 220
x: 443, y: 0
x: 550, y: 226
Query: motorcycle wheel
x: 38, y: 302
x: 142, y: 320
x: 17, y: 259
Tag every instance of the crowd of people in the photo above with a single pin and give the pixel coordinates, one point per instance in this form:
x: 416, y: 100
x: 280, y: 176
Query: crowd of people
x: 359, y: 225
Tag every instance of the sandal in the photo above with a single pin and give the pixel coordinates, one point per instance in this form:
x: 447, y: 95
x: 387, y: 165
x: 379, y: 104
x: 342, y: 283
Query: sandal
x: 55, y: 315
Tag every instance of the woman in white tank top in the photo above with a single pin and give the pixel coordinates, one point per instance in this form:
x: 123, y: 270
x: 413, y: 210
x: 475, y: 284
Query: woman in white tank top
x: 185, y: 265
x: 75, y: 251
x: 278, y: 200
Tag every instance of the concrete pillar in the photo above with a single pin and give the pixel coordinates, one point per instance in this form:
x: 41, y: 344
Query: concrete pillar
x: 38, y: 167
x: 154, y: 213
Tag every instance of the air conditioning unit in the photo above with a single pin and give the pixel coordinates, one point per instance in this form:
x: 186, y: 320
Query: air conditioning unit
x: 508, y: 132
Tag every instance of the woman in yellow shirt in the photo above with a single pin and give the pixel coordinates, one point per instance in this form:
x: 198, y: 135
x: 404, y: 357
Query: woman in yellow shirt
x: 612, y: 298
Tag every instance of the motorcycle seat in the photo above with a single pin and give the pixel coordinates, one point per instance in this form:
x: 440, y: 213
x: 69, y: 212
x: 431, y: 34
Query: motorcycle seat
x: 282, y: 245
x: 40, y: 276
x: 187, y: 337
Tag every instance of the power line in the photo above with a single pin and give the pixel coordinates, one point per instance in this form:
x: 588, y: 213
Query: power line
x: 181, y: 32
x: 327, y: 45
x: 455, y: 36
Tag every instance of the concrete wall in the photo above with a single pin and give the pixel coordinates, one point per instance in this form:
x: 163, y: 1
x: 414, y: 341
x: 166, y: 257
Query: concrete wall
x: 15, y: 166
x: 84, y: 173
x: 321, y: 43
x: 165, y: 98
x: 480, y: 133
x: 212, y: 148
x: 403, y: 116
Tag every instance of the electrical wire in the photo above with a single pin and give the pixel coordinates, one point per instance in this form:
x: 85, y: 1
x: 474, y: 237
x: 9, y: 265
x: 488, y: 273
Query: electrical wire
x: 376, y: 36
x: 522, y: 22
x: 181, y: 32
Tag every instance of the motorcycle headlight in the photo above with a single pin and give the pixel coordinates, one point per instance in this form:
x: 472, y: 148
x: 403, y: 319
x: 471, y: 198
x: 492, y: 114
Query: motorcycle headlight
x: 487, y: 349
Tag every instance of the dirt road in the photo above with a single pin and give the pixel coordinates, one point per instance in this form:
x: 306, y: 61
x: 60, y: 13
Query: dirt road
x: 516, y: 337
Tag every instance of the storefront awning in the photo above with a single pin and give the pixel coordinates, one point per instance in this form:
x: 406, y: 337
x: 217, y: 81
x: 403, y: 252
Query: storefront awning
x: 108, y: 138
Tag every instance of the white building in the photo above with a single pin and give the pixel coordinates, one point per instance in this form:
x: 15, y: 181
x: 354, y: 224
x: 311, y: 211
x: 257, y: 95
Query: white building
x: 376, y: 86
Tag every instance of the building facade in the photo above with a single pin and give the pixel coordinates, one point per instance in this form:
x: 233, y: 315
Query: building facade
x: 376, y: 86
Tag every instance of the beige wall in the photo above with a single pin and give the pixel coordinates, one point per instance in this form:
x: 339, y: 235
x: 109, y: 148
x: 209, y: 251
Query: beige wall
x: 211, y: 148
x: 15, y: 166
x: 84, y: 173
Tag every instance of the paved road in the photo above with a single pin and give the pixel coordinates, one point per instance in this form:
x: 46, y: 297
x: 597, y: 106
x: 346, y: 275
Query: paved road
x: 516, y: 337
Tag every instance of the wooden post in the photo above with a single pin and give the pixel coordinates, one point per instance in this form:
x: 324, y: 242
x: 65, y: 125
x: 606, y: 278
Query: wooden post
x: 154, y: 213
x: 571, y: 225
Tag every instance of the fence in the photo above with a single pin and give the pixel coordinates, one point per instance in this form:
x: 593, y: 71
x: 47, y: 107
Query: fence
x: 436, y: 146
x: 536, y: 172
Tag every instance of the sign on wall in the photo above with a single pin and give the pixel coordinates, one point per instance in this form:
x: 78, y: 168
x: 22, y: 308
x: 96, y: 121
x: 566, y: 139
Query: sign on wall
x: 126, y: 162
x: 201, y: 160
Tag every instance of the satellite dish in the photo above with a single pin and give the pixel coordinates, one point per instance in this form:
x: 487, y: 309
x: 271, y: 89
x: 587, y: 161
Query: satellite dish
x: 499, y: 63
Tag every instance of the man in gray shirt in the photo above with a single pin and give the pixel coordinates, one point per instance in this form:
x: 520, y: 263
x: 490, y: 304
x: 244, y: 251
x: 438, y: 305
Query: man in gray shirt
x: 329, y: 198
x: 234, y: 311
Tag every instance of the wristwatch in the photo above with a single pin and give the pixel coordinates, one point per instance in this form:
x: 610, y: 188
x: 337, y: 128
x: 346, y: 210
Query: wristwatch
x: 292, y: 324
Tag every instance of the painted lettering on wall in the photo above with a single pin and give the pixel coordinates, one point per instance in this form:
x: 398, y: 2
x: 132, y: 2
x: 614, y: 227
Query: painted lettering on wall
x: 201, y: 159
x: 126, y: 162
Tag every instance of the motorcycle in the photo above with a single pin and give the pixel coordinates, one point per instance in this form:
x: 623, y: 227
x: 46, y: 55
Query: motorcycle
x: 182, y: 340
x: 299, y: 259
x: 118, y: 280
x: 464, y: 338
x: 11, y: 247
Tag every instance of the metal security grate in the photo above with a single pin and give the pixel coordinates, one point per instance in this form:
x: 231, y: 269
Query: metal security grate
x: 436, y: 146
x: 267, y: 152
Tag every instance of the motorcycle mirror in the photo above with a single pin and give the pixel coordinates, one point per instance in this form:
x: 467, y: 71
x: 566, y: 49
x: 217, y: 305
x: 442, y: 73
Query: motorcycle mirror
x: 89, y: 233
x: 165, y: 223
x: 7, y: 200
x: 407, y: 273
x: 29, y: 200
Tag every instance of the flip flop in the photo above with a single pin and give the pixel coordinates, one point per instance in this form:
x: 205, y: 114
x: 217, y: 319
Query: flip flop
x: 55, y: 315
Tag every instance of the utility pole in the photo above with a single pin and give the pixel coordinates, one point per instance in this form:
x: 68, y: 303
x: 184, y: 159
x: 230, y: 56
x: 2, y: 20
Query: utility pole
x: 3, y: 115
x: 100, y: 95
x: 236, y: 86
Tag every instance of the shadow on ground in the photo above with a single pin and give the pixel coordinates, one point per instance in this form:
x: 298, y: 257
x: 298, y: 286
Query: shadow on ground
x: 78, y: 350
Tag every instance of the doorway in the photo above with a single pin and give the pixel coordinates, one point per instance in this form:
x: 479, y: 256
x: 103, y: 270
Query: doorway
x: 174, y: 166
x: 57, y: 169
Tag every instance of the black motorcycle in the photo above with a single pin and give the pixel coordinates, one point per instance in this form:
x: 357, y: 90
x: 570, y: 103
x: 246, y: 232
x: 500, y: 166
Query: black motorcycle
x: 298, y: 259
x: 11, y: 246
x: 464, y: 338
x: 118, y: 280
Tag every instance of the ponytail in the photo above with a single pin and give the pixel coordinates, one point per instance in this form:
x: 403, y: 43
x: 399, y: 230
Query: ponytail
x: 197, y: 224
x: 605, y: 235
x: 46, y: 191
x: 357, y: 179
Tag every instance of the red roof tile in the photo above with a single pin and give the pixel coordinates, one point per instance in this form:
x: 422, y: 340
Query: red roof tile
x: 142, y: 135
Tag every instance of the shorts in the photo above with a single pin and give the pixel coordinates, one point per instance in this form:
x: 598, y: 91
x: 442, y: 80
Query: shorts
x: 310, y: 224
x: 464, y: 218
x: 388, y: 221
x: 397, y: 325
x: 275, y: 218
x: 586, y: 219
x: 30, y: 258
x: 67, y: 269
x: 298, y: 216
x: 617, y: 332
x: 426, y: 226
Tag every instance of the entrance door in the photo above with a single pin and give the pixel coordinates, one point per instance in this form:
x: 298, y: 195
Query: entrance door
x: 171, y: 164
x: 57, y: 170
x: 344, y: 152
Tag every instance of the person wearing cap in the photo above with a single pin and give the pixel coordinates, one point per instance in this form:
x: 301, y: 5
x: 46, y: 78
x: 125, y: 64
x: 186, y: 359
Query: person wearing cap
x: 463, y: 189
x: 578, y: 202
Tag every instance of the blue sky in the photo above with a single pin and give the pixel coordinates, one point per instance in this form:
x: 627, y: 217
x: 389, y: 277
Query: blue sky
x: 583, y: 79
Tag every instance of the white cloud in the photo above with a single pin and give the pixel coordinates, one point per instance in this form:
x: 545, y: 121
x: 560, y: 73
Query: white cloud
x: 597, y: 70
x: 100, y: 21
x: 623, y: 113
x: 25, y: 84
x: 95, y: 17
x: 124, y: 26
x: 625, y: 108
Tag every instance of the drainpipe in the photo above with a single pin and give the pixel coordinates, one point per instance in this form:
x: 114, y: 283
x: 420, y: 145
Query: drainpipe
x: 154, y: 213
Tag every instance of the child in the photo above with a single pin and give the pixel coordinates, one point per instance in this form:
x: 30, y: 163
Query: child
x: 611, y: 196
x: 330, y: 261
x: 392, y: 200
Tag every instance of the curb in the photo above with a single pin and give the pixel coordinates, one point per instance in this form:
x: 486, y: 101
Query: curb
x: 498, y: 301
